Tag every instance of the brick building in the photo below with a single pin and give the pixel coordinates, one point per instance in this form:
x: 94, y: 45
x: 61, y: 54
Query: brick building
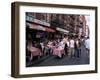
x: 75, y: 24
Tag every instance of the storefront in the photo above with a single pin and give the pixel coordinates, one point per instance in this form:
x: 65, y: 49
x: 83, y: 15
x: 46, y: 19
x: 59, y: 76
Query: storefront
x: 39, y: 32
x: 61, y: 32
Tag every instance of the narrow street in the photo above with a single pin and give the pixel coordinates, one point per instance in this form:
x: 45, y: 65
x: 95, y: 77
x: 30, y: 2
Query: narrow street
x: 65, y: 60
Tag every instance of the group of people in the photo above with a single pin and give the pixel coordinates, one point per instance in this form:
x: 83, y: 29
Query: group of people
x: 70, y: 45
x: 73, y: 45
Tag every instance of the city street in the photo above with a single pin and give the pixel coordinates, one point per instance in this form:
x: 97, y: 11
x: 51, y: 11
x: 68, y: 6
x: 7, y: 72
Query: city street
x: 65, y: 60
x: 49, y: 34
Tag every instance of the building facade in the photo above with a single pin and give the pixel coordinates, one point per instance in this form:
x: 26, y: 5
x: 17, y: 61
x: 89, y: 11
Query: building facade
x: 74, y: 24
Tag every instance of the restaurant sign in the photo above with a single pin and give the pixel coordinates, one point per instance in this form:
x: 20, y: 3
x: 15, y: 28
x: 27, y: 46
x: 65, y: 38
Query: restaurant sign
x: 32, y: 19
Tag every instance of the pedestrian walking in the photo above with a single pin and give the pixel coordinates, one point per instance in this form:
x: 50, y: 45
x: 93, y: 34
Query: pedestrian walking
x: 65, y: 40
x: 78, y: 47
x: 71, y: 47
x: 87, y: 45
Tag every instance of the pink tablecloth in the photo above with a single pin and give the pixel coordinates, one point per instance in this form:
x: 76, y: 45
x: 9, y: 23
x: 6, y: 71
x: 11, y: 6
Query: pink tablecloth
x: 34, y: 51
x: 58, y: 52
x: 50, y: 46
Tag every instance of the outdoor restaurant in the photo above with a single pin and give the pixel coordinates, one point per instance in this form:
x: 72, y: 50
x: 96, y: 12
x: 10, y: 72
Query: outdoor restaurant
x: 46, y: 34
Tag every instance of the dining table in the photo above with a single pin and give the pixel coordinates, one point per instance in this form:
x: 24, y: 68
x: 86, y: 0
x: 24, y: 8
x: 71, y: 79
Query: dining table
x: 34, y: 51
x: 58, y: 52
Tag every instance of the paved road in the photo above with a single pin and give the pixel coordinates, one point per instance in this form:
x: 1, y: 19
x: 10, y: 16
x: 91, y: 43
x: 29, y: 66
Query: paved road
x: 55, y: 61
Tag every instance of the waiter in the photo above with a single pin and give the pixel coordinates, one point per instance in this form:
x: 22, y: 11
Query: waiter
x: 65, y: 40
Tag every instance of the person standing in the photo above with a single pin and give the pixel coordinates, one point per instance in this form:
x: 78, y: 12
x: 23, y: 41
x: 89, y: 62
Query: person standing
x: 87, y: 45
x: 65, y: 40
x: 71, y: 47
x: 78, y: 47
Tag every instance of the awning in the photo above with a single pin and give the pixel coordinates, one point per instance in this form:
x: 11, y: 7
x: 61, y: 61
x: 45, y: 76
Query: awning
x: 49, y: 29
x: 62, y: 30
x: 34, y: 26
x: 39, y: 27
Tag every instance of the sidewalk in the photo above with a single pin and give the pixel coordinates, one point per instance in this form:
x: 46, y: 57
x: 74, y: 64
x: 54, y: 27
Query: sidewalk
x: 37, y: 61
